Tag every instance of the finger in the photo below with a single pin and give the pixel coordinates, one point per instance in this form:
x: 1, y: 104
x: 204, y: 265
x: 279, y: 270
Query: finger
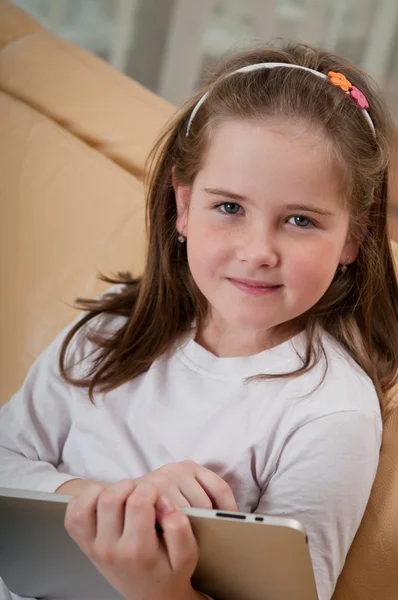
x: 178, y: 537
x: 140, y: 518
x: 179, y: 498
x: 217, y: 489
x: 81, y: 516
x: 110, y: 511
x: 165, y: 485
x: 194, y: 494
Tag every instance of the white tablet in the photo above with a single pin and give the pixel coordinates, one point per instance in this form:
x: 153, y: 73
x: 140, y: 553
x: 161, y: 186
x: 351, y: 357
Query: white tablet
x: 241, y: 556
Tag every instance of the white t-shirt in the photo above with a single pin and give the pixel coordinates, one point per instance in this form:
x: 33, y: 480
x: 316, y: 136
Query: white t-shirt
x: 286, y: 447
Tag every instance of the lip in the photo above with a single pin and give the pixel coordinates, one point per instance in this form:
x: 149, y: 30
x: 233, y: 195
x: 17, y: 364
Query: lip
x: 256, y: 288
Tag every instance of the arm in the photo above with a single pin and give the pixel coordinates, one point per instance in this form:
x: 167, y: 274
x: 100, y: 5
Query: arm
x: 34, y: 424
x: 323, y: 479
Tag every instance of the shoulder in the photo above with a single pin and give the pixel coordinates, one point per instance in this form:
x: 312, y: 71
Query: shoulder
x: 335, y: 386
x: 333, y: 421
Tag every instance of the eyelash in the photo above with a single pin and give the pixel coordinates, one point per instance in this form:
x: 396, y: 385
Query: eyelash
x: 218, y: 207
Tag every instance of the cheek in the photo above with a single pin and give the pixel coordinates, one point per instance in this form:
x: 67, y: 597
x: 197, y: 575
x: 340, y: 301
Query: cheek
x: 313, y: 271
x: 208, y: 252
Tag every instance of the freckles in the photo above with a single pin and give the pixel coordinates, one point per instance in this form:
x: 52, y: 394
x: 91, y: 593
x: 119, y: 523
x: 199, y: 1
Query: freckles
x: 212, y: 244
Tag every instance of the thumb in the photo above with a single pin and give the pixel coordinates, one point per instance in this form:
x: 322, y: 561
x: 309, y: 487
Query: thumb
x: 178, y: 537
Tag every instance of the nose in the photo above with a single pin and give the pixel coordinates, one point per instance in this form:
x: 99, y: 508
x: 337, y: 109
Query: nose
x: 258, y: 247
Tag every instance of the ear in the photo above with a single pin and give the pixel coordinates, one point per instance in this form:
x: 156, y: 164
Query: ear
x: 350, y: 252
x: 182, y: 195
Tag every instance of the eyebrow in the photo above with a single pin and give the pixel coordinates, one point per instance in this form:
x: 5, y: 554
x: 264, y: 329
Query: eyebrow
x: 297, y: 206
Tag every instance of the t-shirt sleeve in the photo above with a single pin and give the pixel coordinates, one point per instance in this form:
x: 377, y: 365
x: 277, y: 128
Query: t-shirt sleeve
x: 35, y: 422
x: 323, y: 479
x: 34, y: 425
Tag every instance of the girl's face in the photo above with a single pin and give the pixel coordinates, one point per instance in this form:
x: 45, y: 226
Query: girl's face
x: 265, y: 223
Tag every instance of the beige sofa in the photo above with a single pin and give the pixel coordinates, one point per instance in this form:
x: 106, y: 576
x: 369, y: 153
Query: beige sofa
x: 74, y: 135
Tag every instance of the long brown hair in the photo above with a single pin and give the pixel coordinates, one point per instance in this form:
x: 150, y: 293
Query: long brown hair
x: 360, y: 308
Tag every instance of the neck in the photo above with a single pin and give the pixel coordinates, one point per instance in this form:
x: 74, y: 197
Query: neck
x: 224, y: 341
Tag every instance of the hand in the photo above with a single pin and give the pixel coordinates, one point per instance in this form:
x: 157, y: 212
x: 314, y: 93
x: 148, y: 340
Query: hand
x: 188, y: 484
x: 185, y: 483
x: 74, y: 487
x: 115, y: 528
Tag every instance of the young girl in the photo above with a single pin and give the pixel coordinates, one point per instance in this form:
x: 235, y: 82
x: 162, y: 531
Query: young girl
x: 246, y: 368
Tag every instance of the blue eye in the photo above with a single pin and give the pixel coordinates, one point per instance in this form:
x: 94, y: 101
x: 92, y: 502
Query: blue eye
x: 301, y: 221
x: 230, y: 208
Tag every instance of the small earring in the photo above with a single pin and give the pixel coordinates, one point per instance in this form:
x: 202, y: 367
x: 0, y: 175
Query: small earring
x: 343, y: 268
x: 181, y: 238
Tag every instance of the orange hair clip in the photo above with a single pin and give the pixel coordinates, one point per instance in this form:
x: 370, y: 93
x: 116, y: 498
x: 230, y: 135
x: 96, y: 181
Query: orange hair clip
x: 340, y: 80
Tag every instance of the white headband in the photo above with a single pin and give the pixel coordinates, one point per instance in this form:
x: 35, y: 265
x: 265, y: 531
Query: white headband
x: 338, y: 80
